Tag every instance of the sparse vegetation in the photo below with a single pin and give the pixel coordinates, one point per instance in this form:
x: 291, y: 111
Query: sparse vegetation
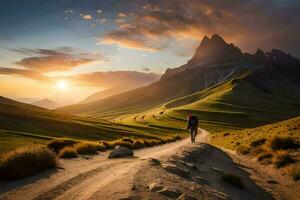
x: 282, y: 158
x: 233, y: 180
x: 295, y: 172
x: 282, y: 143
x: 85, y: 148
x: 264, y: 156
x: 58, y: 144
x: 258, y: 142
x: 26, y: 161
x: 68, y: 152
x: 243, y: 150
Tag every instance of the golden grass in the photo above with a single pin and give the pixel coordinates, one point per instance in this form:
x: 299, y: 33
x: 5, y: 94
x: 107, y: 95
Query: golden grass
x: 68, y: 152
x: 85, y: 148
x: 281, y: 143
x: 282, y: 158
x: 58, y: 144
x: 295, y: 172
x: 26, y: 161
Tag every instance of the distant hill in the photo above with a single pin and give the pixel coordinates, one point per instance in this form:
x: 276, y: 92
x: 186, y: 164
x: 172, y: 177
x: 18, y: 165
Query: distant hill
x: 45, y: 103
x: 22, y: 124
x: 118, y: 82
x: 112, y: 91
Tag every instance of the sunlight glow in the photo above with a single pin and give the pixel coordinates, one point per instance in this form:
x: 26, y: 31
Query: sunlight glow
x: 62, y: 84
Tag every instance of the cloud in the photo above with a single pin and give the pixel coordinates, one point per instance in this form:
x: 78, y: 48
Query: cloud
x: 23, y: 73
x: 86, y: 17
x: 101, y: 21
x: 111, y: 79
x: 61, y: 59
x: 68, y: 10
x: 250, y: 24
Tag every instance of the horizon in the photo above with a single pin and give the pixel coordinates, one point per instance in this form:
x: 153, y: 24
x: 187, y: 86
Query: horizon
x: 58, y: 53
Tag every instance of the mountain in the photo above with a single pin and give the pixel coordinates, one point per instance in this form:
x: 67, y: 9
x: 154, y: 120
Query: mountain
x: 113, y: 91
x: 45, y: 103
x: 219, y: 80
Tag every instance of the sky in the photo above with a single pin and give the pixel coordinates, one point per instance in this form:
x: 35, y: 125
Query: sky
x: 79, y: 42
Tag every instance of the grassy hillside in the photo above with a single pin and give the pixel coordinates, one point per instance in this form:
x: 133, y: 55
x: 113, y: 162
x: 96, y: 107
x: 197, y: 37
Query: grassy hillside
x: 235, y: 104
x: 24, y: 124
x: 156, y: 94
x: 233, y: 139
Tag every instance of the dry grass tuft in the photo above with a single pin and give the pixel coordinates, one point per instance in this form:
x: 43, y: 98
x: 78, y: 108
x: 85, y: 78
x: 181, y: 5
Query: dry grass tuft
x: 68, y: 152
x: 85, y: 148
x: 295, y: 172
x: 258, y: 142
x: 282, y: 158
x: 282, y: 143
x: 58, y: 144
x: 26, y: 161
x: 243, y: 150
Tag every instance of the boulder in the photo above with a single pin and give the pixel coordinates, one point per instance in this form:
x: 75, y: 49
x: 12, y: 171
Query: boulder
x: 119, y: 152
x: 170, y: 192
x: 154, y: 187
x: 154, y: 161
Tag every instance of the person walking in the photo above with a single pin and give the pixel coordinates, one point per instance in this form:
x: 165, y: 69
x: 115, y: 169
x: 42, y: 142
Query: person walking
x: 192, y: 121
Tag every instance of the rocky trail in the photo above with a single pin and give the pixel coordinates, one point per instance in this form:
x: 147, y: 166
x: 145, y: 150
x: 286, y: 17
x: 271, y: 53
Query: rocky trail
x: 179, y: 170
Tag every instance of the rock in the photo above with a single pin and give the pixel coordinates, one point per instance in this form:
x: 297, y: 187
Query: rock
x: 154, y: 187
x: 176, y: 170
x: 186, y: 197
x: 154, y: 161
x: 170, y: 192
x: 120, y: 152
x: 201, y: 180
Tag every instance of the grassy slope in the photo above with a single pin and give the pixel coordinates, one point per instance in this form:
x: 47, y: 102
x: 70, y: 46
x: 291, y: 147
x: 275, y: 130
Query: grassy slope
x: 244, y: 137
x: 235, y: 104
x: 24, y: 124
x: 154, y: 95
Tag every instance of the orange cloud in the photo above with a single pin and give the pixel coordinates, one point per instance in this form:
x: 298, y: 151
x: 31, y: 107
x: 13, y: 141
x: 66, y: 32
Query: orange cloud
x: 61, y: 59
x: 24, y: 73
x: 250, y: 24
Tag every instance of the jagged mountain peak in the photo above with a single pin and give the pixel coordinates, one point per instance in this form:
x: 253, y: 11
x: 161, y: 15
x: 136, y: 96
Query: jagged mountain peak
x: 215, y: 49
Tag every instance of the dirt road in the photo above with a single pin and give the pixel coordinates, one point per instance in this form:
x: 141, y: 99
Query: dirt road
x: 100, y: 178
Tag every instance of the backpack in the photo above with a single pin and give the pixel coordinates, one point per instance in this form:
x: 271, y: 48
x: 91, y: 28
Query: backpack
x: 193, y: 121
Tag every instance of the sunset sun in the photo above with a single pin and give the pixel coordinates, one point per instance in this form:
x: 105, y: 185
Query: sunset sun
x: 62, y: 84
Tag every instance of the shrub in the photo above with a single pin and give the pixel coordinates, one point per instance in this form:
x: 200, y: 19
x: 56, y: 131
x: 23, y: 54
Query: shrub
x: 127, y: 140
x: 281, y: 143
x: 225, y: 134
x: 243, y: 150
x: 258, y: 142
x: 282, y: 158
x: 138, y: 144
x: 85, y: 148
x: 121, y: 143
x: 58, y: 144
x: 68, y: 152
x: 295, y: 172
x: 26, y: 161
x: 177, y: 137
x: 264, y: 156
x: 233, y: 180
x: 101, y: 147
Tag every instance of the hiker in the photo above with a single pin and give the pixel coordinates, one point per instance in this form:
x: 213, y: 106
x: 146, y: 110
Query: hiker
x: 192, y: 121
